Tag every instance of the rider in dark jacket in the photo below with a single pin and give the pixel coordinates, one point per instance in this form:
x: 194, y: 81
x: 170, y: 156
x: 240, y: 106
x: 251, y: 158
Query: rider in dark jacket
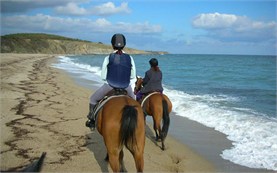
x: 152, y: 80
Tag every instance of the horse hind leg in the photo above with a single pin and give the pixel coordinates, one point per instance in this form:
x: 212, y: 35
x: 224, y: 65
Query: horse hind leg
x: 159, y: 134
x: 114, y: 162
x: 122, y: 166
x: 162, y: 140
x: 156, y: 129
x: 139, y: 161
x: 156, y: 132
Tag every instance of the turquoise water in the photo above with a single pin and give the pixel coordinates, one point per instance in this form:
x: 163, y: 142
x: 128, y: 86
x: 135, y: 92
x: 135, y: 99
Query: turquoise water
x: 233, y: 94
x: 249, y: 79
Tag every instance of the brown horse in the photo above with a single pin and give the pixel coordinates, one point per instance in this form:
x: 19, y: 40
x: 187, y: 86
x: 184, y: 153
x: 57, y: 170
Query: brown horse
x: 121, y: 122
x: 158, y: 106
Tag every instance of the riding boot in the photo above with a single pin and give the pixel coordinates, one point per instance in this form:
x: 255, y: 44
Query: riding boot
x: 91, y: 119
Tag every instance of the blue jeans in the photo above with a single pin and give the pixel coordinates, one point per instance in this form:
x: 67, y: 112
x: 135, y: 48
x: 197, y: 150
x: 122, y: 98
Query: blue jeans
x: 139, y: 95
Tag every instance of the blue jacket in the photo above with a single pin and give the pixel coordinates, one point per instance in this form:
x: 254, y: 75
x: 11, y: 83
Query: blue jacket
x: 119, y: 70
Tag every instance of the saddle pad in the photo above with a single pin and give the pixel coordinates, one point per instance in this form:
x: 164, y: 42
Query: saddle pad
x: 103, y: 103
x: 148, y: 97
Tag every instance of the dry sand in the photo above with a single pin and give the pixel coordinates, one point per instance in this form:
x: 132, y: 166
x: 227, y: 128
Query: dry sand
x: 44, y: 110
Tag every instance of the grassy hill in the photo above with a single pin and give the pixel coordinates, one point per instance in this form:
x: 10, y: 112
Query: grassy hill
x: 55, y: 44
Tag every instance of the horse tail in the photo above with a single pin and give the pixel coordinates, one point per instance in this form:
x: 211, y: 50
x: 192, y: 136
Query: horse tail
x: 166, y: 119
x: 128, y: 127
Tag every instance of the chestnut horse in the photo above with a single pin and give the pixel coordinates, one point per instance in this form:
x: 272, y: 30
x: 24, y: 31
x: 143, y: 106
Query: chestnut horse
x: 158, y: 106
x: 121, y: 122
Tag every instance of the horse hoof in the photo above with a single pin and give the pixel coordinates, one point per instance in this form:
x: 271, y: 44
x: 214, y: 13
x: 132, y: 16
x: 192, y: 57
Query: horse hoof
x: 163, y: 148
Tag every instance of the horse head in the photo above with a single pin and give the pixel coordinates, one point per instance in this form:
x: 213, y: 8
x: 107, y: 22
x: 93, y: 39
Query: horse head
x: 138, y: 84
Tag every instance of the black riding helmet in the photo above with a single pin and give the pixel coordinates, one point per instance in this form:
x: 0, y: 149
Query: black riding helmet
x: 153, y: 62
x: 118, y: 41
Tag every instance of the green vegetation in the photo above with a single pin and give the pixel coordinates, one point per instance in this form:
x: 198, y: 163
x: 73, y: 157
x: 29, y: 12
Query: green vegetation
x: 49, y: 44
x: 39, y: 36
x: 55, y: 44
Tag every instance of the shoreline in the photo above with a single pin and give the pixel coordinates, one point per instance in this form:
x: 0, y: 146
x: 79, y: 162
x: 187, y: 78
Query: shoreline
x: 44, y: 110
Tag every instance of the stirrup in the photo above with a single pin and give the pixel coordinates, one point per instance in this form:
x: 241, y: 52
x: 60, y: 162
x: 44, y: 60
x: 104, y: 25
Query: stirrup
x: 90, y: 124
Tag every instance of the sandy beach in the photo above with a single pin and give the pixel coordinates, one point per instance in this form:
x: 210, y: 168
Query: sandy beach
x: 44, y: 110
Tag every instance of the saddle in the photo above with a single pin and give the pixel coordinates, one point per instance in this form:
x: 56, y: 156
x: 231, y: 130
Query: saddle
x: 144, y: 95
x: 116, y: 92
x: 147, y: 95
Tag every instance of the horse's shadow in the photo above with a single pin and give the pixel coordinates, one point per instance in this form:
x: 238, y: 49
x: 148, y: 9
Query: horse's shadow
x: 97, y: 146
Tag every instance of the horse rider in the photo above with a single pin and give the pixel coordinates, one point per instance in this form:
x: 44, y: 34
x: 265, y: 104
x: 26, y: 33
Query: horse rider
x: 152, y: 80
x: 117, y: 70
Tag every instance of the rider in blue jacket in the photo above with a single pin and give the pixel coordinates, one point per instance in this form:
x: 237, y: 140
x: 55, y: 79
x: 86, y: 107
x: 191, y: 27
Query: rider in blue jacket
x: 117, y: 70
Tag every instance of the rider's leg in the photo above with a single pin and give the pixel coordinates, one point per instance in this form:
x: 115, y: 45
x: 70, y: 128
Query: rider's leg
x: 130, y: 92
x: 90, y: 115
x: 95, y: 97
x: 91, y: 119
x: 138, y: 96
x: 100, y: 93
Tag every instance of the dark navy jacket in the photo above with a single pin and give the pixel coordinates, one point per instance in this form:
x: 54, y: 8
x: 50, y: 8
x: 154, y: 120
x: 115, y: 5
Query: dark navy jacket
x: 119, y: 70
x: 152, y: 81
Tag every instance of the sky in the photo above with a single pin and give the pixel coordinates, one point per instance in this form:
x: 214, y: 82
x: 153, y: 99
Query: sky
x: 243, y: 27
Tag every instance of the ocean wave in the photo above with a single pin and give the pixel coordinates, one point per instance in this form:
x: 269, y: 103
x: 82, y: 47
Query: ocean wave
x: 254, y: 137
x: 85, y: 71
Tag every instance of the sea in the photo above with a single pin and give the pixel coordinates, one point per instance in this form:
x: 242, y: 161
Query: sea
x: 233, y: 94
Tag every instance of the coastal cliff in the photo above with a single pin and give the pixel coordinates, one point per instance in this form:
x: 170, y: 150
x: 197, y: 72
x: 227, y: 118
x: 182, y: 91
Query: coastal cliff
x: 54, y: 44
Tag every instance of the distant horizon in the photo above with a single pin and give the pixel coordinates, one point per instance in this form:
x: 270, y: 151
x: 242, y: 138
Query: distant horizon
x: 220, y: 54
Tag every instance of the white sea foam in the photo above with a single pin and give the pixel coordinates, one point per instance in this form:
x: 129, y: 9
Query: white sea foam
x: 254, y: 137
x: 85, y: 71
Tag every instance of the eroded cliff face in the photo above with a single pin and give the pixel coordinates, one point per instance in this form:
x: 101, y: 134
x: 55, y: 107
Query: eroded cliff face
x: 52, y: 46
